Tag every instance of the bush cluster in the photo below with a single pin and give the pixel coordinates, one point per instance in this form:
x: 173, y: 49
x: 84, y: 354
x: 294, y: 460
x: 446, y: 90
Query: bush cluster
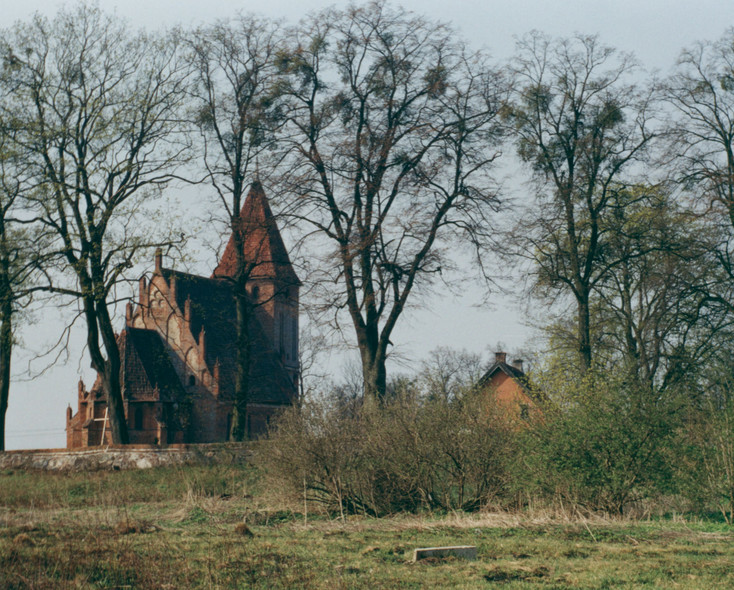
x: 605, y: 443
x: 601, y: 443
x: 404, y: 454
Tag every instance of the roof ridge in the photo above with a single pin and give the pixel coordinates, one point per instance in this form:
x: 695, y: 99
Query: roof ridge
x: 262, y: 242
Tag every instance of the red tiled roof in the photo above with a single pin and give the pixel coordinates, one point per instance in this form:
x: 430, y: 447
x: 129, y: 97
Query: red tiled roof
x: 148, y: 374
x: 263, y: 246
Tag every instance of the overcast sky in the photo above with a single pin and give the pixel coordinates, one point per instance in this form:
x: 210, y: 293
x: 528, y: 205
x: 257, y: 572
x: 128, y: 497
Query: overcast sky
x: 654, y: 30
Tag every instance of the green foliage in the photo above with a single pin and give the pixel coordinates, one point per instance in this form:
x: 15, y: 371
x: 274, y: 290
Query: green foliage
x: 706, y: 468
x: 603, y: 443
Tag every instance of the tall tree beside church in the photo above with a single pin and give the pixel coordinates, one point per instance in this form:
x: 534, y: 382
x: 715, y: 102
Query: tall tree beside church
x: 391, y: 131
x: 579, y: 124
x: 234, y: 70
x: 96, y: 107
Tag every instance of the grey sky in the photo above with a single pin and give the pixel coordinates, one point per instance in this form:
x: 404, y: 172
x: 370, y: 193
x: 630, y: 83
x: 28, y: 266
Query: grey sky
x: 654, y: 30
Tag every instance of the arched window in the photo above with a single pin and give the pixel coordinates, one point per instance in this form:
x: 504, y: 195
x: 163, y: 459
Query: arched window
x: 192, y: 380
x: 255, y: 292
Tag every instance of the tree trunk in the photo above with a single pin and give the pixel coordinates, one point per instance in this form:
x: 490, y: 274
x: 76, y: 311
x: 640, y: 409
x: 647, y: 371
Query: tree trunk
x: 115, y: 404
x: 374, y: 373
x: 584, y: 332
x: 99, y: 323
x: 242, y: 378
x: 6, y: 348
x: 238, y: 431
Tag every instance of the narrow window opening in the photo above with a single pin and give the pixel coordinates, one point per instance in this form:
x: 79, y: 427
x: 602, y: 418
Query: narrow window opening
x: 138, y: 418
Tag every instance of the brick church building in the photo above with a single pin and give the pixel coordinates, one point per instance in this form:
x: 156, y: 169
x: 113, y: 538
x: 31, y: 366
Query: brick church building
x: 178, y: 346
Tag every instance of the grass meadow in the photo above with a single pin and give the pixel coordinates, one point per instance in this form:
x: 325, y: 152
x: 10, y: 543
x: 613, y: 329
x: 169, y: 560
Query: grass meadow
x: 217, y: 527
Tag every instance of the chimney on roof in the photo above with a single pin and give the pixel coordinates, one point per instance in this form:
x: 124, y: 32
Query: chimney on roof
x: 517, y: 363
x: 158, y: 260
x: 187, y: 310
x: 500, y: 357
x: 129, y: 312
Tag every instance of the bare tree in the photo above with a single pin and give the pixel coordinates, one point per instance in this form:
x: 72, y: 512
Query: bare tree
x: 21, y: 254
x: 391, y: 131
x: 235, y: 87
x: 702, y: 92
x: 96, y: 108
x: 447, y: 373
x: 580, y: 126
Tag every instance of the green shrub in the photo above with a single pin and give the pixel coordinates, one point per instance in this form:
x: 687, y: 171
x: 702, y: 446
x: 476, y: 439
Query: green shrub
x: 604, y: 442
x: 706, y: 461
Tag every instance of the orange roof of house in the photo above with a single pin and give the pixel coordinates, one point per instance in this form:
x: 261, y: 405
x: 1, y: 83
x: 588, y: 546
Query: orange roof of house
x: 500, y: 366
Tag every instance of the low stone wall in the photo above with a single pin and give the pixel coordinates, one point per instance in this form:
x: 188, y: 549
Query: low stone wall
x: 125, y: 457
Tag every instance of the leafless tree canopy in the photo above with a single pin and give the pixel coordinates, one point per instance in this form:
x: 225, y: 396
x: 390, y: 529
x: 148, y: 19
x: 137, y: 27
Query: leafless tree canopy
x: 234, y: 91
x: 95, y: 108
x: 701, y: 151
x: 391, y: 131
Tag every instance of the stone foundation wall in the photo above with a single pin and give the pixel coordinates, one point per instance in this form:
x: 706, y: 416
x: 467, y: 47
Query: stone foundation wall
x: 125, y: 457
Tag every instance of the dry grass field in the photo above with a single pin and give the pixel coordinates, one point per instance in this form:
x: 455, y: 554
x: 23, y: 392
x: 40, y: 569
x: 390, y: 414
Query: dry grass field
x: 213, y: 527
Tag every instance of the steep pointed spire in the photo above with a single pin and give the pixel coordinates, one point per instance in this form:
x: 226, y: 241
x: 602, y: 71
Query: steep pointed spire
x: 263, y: 246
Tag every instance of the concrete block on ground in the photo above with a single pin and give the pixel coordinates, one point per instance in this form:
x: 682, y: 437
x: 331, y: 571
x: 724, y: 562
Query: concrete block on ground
x: 461, y: 551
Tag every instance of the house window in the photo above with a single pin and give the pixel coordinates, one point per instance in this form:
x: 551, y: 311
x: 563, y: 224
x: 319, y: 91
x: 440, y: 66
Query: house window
x: 192, y: 380
x: 255, y: 292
